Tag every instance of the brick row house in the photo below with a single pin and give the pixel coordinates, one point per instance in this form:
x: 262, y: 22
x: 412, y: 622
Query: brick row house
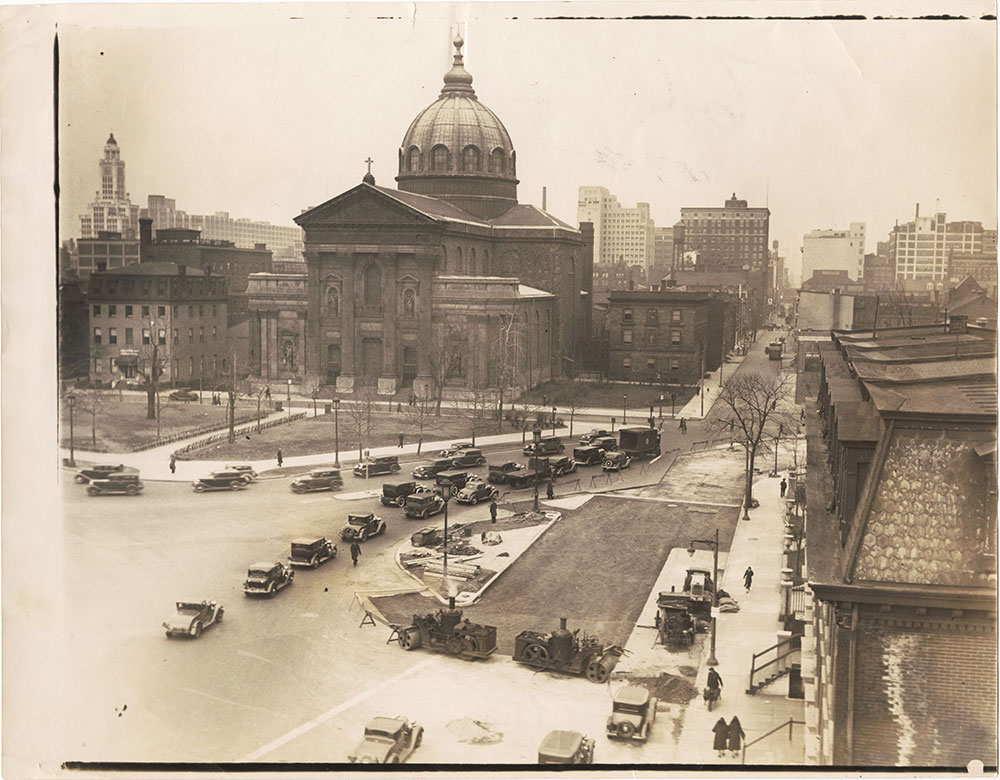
x: 899, y: 657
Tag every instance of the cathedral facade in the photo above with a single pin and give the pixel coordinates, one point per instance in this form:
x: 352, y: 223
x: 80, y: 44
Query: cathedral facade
x: 446, y: 281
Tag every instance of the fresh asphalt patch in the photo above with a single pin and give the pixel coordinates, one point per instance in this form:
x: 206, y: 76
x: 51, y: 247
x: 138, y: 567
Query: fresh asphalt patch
x: 595, y: 567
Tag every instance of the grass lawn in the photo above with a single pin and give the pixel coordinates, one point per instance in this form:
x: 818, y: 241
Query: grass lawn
x: 315, y: 435
x: 121, y: 423
x: 609, y: 395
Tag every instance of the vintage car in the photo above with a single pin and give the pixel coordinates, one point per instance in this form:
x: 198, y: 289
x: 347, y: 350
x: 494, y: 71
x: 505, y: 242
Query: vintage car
x: 468, y: 459
x: 421, y: 505
x: 318, y: 479
x: 597, y: 433
x: 474, y: 492
x: 83, y: 476
x: 616, y: 461
x: 127, y: 484
x: 267, y: 578
x: 431, y: 468
x: 606, y: 443
x: 632, y: 713
x: 560, y: 466
x: 566, y: 747
x: 192, y: 617
x: 372, y: 467
x: 184, y: 395
x: 549, y: 445
x: 395, y: 493
x: 456, y: 448
x: 588, y: 456
x: 452, y: 481
x: 427, y: 537
x: 311, y: 551
x: 221, y: 480
x: 387, y: 741
x: 498, y: 472
x: 243, y: 468
x: 360, y: 527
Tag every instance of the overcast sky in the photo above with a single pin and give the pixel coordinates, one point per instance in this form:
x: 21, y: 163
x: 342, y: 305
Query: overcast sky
x: 265, y: 110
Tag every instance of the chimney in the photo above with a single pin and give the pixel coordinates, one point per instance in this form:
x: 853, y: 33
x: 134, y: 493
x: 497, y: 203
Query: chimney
x: 544, y: 198
x: 145, y: 231
x: 918, y: 212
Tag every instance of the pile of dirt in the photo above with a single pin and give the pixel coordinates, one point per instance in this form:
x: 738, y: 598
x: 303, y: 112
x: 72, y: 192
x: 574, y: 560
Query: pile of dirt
x: 474, y: 732
x: 667, y: 687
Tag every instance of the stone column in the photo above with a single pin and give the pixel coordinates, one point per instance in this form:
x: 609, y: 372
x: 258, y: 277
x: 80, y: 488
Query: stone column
x: 389, y: 381
x: 309, y: 331
x: 423, y: 385
x: 347, y: 266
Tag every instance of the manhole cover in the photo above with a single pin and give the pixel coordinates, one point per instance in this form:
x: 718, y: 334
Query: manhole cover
x: 475, y: 732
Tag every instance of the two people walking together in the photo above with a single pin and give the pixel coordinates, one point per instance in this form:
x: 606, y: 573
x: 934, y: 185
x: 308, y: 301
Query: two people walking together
x: 728, y: 736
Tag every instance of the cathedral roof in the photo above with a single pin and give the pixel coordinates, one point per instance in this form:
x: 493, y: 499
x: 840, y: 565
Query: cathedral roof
x: 431, y: 207
x: 526, y: 215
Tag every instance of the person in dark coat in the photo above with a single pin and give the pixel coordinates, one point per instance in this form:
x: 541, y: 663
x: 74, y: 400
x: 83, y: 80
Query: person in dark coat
x: 355, y: 552
x: 401, y: 441
x: 280, y: 459
x: 550, y: 491
x: 714, y: 679
x: 736, y: 735
x: 784, y: 487
x: 748, y: 578
x: 493, y: 511
x: 721, y: 740
x: 173, y: 464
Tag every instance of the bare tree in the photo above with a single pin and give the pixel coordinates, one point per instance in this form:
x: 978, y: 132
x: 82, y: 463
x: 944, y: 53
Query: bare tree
x: 151, y: 367
x: 93, y: 402
x: 359, y: 413
x: 258, y: 390
x: 751, y: 401
x: 505, y: 360
x: 522, y: 412
x: 570, y: 396
x: 312, y: 389
x: 474, y: 403
x: 445, y: 357
x: 234, y: 383
x: 419, y: 415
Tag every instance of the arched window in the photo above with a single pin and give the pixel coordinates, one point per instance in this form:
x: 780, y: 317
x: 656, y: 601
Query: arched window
x: 413, y: 159
x: 470, y: 159
x: 459, y: 265
x: 372, y: 282
x: 439, y: 158
x: 497, y: 161
x: 513, y: 163
x: 473, y: 268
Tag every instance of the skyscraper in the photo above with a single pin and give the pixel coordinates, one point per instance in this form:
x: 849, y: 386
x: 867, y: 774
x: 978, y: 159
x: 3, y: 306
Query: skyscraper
x: 111, y: 210
x: 621, y: 234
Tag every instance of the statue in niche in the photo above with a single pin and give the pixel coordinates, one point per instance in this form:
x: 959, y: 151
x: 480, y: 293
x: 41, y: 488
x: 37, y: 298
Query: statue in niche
x: 288, y: 355
x: 333, y: 302
x: 409, y: 303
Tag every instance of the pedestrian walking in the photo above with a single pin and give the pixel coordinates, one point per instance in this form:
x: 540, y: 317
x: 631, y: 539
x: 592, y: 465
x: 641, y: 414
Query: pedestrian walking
x: 748, y: 578
x: 267, y: 392
x: 714, y: 679
x: 493, y: 511
x: 355, y: 552
x: 784, y: 487
x: 736, y: 736
x: 280, y: 459
x: 399, y: 408
x: 400, y: 441
x: 173, y: 464
x: 721, y: 740
x: 550, y: 492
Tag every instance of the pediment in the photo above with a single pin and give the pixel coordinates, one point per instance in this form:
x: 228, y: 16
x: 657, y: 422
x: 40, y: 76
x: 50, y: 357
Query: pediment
x: 362, y: 205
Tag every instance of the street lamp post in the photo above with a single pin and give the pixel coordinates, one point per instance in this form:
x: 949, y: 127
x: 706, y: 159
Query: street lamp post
x: 446, y: 495
x: 71, y: 400
x: 624, y: 408
x: 661, y: 406
x: 673, y: 400
x: 714, y: 543
x: 289, y: 398
x: 553, y: 421
x: 777, y: 440
x: 536, y: 436
x: 336, y: 432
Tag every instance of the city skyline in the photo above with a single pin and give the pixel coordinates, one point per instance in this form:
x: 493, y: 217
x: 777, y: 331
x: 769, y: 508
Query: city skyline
x: 734, y: 109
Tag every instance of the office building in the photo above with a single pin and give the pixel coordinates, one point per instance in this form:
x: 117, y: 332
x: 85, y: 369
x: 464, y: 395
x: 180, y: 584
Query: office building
x: 834, y: 250
x: 111, y: 210
x: 621, y: 234
x: 922, y: 247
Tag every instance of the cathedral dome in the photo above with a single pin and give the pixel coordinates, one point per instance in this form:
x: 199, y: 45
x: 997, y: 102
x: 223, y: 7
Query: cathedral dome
x: 458, y: 150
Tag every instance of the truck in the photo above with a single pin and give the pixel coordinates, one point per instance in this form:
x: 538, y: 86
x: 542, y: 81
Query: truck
x: 640, y: 442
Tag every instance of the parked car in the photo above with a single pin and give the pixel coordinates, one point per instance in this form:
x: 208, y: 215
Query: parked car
x: 192, y: 617
x: 430, y: 469
x: 597, y: 433
x: 184, y: 395
x: 549, y: 445
x: 221, y: 480
x: 606, y: 443
x: 474, y: 492
x: 566, y: 747
x: 360, y: 527
x: 588, y: 456
x: 427, y: 537
x: 311, y: 551
x: 452, y: 480
x: 421, y: 505
x: 616, y: 461
x: 498, y: 473
x: 267, y: 578
x: 387, y: 741
x: 456, y: 448
x: 560, y: 466
x: 372, y: 467
x: 127, y: 484
x: 243, y: 468
x: 633, y: 711
x: 318, y: 479
x: 395, y: 493
x: 468, y: 459
x: 83, y: 476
